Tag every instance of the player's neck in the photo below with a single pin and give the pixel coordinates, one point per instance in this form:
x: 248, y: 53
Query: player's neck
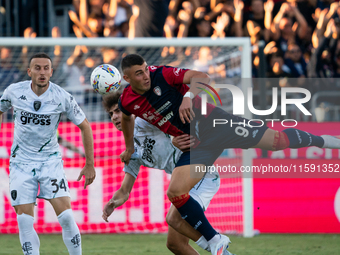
x: 39, y: 89
x: 137, y: 91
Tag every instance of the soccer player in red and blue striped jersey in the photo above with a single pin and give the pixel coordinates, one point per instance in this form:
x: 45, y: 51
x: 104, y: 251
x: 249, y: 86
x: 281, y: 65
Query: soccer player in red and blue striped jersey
x: 159, y: 95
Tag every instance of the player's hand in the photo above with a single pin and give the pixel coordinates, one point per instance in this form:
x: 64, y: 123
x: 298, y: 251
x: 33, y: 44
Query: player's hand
x: 126, y: 155
x: 108, y: 209
x: 90, y: 174
x: 183, y: 142
x: 185, y: 110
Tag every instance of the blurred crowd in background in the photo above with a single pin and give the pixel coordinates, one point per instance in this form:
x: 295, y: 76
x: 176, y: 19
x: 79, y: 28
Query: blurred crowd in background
x: 299, y: 38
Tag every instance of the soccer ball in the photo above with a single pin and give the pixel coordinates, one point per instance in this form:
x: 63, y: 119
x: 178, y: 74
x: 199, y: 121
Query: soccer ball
x: 105, y: 79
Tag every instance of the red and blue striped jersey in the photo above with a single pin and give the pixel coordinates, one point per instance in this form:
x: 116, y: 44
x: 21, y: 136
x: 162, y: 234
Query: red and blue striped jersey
x: 159, y: 105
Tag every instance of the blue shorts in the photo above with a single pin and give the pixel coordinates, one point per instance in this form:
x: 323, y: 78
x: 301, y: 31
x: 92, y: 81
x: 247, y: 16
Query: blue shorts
x: 230, y: 131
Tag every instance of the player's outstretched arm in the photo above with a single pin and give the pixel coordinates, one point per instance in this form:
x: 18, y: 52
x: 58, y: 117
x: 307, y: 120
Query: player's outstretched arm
x: 120, y: 196
x: 128, y: 124
x: 196, y: 80
x: 88, y: 171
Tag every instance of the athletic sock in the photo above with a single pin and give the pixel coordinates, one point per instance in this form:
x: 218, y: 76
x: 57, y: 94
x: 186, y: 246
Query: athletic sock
x: 203, y: 243
x: 28, y: 237
x: 70, y: 233
x: 215, y: 239
x: 193, y: 213
x: 299, y: 139
x: 331, y: 142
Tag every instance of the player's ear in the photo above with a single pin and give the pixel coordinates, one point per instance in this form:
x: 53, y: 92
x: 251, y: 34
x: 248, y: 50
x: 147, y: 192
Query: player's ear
x: 29, y: 72
x: 51, y: 71
x: 126, y: 78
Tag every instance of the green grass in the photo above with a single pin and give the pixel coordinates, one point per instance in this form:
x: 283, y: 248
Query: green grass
x: 155, y: 244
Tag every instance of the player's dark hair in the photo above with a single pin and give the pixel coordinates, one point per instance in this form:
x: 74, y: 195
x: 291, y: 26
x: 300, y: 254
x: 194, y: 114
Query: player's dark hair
x: 132, y: 60
x: 110, y: 100
x: 39, y: 55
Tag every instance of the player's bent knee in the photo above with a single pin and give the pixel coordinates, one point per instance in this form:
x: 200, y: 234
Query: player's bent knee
x: 173, y: 246
x: 175, y: 192
x: 171, y: 193
x: 178, y: 201
x: 281, y: 141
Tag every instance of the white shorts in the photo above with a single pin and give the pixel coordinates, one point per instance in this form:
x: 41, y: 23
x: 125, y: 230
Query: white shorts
x: 206, y: 189
x: 25, y: 179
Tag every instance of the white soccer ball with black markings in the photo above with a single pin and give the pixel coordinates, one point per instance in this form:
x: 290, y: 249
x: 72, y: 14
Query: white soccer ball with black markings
x: 105, y: 79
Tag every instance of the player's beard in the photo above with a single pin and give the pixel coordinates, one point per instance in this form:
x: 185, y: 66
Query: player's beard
x: 42, y: 85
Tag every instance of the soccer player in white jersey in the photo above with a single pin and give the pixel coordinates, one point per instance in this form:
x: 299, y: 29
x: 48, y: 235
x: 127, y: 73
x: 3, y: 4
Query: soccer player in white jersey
x: 154, y: 149
x: 35, y: 157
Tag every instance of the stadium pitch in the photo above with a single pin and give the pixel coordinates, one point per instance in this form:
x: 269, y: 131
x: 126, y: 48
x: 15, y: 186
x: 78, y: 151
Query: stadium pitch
x: 156, y: 244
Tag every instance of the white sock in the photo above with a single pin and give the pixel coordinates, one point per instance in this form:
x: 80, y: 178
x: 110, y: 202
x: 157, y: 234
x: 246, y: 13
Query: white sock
x: 71, y: 234
x: 215, y: 239
x: 203, y: 243
x: 28, y: 237
x: 331, y: 142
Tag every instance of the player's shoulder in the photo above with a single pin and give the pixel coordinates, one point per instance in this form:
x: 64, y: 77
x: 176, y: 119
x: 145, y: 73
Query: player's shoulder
x: 127, y: 95
x: 19, y: 86
x: 127, y: 89
x: 155, y: 68
x: 161, y: 68
x: 59, y: 91
x: 165, y: 71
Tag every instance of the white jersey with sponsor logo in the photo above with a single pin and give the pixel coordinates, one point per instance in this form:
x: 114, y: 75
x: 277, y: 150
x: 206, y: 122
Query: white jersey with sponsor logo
x: 36, y: 119
x: 153, y: 149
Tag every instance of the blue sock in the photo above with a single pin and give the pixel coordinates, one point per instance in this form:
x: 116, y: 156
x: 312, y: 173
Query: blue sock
x: 299, y: 139
x: 193, y: 213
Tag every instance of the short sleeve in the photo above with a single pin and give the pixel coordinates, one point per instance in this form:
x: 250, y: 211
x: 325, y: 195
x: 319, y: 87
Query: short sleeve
x: 120, y: 106
x: 73, y: 111
x: 174, y: 75
x: 5, y: 101
x: 133, y: 166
